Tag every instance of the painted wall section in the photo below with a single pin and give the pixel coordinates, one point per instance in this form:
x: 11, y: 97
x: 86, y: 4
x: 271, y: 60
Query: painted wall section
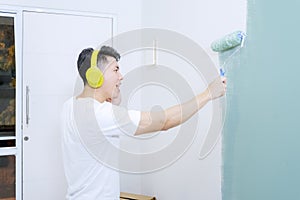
x: 261, y: 138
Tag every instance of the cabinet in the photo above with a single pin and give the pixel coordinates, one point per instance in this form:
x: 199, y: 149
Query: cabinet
x: 52, y: 42
x: 33, y: 88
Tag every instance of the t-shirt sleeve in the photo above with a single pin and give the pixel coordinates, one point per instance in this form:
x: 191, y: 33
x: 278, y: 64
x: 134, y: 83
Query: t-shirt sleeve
x: 127, y: 120
x: 135, y: 117
x: 117, y: 120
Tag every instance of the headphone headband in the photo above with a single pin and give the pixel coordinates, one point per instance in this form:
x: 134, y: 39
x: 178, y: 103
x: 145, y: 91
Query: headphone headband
x: 94, y: 58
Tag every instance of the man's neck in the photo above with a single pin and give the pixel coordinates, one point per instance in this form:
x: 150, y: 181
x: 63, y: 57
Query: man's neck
x: 89, y: 92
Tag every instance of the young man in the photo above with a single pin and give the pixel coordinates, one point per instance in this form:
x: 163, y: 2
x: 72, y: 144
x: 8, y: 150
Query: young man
x: 88, y: 178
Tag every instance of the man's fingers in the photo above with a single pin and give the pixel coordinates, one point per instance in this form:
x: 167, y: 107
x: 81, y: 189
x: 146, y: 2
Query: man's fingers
x: 224, y: 80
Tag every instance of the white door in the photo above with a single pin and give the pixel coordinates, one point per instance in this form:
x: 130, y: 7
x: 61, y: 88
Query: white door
x: 51, y: 45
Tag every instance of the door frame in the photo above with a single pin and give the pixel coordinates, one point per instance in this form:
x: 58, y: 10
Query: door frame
x: 17, y: 150
x: 17, y: 12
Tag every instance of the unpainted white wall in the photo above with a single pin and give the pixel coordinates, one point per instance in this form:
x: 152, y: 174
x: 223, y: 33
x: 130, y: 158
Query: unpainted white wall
x: 128, y: 13
x: 201, y: 20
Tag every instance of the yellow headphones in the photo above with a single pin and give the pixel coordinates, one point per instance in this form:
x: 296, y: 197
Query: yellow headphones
x: 93, y: 75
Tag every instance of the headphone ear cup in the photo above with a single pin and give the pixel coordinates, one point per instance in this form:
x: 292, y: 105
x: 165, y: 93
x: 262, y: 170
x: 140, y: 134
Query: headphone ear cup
x: 94, y: 77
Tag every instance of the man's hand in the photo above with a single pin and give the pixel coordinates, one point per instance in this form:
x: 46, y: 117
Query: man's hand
x: 217, y: 88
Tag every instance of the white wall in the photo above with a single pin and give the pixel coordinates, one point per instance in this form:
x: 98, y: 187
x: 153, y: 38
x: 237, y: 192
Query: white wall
x: 202, y: 21
x: 128, y: 12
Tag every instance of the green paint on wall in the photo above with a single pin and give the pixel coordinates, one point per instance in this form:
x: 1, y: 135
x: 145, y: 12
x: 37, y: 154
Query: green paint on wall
x: 261, y: 140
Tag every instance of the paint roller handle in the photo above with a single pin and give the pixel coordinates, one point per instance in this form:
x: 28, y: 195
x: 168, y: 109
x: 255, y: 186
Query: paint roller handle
x: 222, y: 72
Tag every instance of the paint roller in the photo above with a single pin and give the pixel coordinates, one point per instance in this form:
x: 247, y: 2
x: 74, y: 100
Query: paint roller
x: 228, y: 42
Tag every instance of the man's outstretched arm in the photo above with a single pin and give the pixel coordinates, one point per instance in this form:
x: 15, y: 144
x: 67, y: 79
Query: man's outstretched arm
x: 178, y: 114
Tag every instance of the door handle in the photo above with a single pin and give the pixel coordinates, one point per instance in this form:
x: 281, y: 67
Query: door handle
x: 27, y: 105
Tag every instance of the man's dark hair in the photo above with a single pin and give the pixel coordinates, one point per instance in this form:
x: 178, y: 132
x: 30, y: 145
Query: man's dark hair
x: 84, y: 59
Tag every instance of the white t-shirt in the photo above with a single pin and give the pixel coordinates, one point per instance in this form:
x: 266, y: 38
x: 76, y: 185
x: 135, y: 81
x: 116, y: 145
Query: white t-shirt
x: 90, y: 139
